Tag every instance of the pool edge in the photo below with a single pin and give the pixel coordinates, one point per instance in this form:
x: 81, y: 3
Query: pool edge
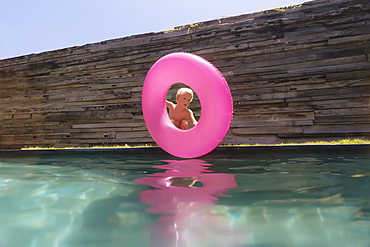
x: 220, y: 152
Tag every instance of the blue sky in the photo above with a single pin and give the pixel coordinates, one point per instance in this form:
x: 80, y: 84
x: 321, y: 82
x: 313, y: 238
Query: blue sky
x: 34, y: 26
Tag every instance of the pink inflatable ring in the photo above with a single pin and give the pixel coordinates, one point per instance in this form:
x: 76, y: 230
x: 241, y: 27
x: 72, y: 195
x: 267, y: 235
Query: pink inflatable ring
x: 214, y: 96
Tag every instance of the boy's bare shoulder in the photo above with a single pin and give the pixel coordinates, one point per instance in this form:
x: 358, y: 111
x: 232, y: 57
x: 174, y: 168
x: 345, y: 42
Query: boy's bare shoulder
x: 190, y: 111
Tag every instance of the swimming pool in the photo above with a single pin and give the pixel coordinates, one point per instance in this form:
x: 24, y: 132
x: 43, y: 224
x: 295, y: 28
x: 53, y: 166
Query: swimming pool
x: 254, y: 196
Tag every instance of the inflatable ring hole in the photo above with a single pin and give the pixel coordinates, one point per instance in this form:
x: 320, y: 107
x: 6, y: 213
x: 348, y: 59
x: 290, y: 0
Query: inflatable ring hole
x: 174, y: 96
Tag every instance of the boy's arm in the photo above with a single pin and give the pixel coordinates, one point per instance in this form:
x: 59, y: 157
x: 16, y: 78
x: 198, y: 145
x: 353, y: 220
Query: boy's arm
x: 169, y: 104
x: 192, y: 118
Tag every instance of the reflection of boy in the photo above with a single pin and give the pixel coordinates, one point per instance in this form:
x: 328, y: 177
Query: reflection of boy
x: 179, y: 112
x: 186, y: 182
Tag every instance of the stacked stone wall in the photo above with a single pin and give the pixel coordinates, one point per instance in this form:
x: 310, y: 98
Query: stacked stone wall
x: 296, y: 74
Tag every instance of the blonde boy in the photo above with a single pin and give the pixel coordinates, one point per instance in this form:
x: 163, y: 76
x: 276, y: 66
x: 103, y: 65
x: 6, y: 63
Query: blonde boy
x: 179, y: 112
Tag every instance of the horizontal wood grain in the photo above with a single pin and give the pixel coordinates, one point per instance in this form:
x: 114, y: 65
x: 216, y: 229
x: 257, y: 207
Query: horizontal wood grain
x: 295, y: 74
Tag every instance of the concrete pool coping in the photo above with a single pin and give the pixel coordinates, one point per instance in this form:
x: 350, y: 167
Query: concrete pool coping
x: 222, y: 152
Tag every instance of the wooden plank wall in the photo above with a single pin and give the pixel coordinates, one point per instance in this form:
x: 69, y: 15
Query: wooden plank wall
x: 296, y: 74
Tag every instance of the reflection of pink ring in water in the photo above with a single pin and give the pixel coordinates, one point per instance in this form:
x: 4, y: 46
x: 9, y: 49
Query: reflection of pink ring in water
x: 167, y: 199
x: 214, y: 96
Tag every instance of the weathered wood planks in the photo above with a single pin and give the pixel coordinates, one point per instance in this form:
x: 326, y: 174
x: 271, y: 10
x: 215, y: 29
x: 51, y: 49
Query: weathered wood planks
x: 295, y: 74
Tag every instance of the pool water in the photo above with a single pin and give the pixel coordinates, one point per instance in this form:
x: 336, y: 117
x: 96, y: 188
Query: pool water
x: 246, y: 197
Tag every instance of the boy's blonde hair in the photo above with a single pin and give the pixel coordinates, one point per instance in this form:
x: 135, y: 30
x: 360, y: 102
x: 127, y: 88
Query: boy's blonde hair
x: 184, y: 90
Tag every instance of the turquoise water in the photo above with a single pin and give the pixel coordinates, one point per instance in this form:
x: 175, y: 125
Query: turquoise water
x: 98, y: 198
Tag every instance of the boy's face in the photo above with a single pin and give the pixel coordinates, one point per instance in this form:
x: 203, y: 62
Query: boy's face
x: 183, y: 99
